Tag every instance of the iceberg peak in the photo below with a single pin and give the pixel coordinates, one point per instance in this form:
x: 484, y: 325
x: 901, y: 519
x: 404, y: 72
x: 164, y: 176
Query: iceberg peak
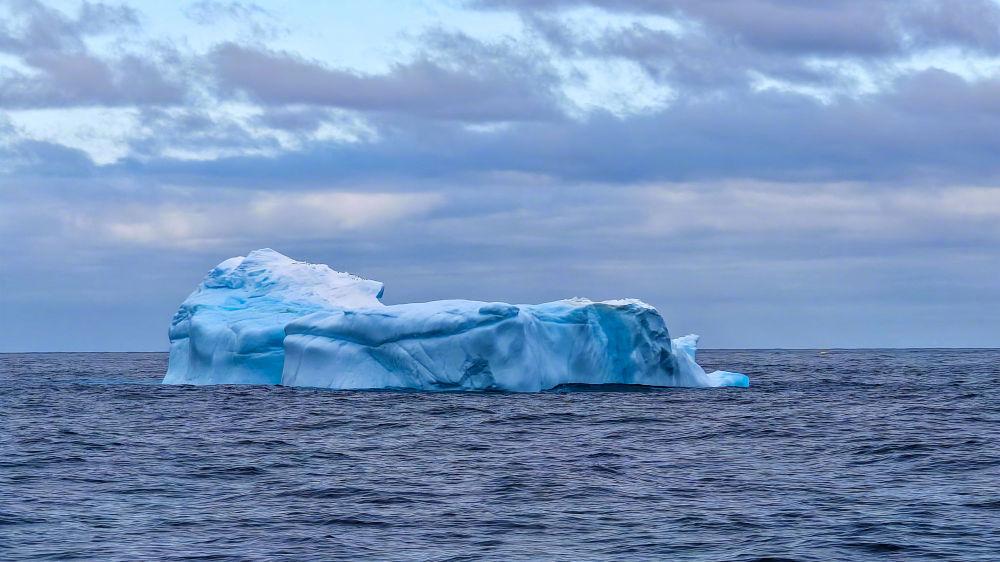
x: 231, y: 329
x: 266, y: 272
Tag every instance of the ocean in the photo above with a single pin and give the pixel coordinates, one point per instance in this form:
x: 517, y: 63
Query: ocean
x: 829, y: 455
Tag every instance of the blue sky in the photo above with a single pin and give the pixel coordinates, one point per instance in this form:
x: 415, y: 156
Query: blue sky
x: 767, y: 173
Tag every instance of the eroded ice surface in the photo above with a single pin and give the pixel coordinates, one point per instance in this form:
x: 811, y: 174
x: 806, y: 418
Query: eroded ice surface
x: 267, y: 319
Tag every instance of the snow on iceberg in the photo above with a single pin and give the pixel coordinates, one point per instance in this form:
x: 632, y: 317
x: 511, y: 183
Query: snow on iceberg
x: 267, y: 319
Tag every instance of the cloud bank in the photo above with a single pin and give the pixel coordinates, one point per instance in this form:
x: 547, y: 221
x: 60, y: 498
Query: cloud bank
x: 767, y: 173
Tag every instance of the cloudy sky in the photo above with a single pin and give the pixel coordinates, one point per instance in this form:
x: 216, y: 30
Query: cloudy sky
x: 768, y: 173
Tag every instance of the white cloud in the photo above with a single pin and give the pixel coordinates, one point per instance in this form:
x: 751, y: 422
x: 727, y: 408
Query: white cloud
x: 318, y: 212
x: 279, y: 217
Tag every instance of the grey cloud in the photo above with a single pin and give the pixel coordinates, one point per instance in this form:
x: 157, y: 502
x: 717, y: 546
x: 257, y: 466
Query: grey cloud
x: 195, y: 131
x: 79, y: 78
x: 31, y: 158
x: 939, y: 92
x: 693, y: 62
x: 207, y: 12
x: 838, y: 28
x: 261, y: 23
x: 62, y: 70
x: 97, y: 17
x: 827, y: 28
x: 25, y: 161
x: 735, y: 43
x: 928, y: 128
x: 497, y: 87
x: 974, y: 24
x: 36, y: 27
x: 717, y: 259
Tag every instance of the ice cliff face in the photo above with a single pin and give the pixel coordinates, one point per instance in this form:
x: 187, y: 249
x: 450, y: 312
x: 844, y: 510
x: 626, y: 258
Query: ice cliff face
x: 267, y: 319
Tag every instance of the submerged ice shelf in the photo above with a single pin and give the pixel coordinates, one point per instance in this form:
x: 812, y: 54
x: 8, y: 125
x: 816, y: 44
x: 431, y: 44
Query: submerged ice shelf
x: 268, y: 319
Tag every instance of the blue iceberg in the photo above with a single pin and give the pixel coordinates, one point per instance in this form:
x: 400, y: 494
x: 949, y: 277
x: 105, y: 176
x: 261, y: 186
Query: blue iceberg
x: 268, y: 319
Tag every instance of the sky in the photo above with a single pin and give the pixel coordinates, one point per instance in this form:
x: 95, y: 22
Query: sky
x: 767, y: 173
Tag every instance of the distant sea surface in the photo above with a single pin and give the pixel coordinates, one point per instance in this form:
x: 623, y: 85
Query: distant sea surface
x: 838, y: 455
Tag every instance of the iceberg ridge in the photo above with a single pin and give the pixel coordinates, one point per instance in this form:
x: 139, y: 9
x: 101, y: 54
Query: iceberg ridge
x: 268, y: 319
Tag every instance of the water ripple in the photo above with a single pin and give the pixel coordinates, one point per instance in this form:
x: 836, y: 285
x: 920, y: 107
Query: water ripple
x: 844, y: 455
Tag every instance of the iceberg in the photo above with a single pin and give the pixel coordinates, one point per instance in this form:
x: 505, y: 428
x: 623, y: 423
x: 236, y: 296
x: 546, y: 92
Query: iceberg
x: 268, y: 319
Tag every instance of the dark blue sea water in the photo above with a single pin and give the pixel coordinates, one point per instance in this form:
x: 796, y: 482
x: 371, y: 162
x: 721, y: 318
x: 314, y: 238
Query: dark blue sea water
x: 840, y: 455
